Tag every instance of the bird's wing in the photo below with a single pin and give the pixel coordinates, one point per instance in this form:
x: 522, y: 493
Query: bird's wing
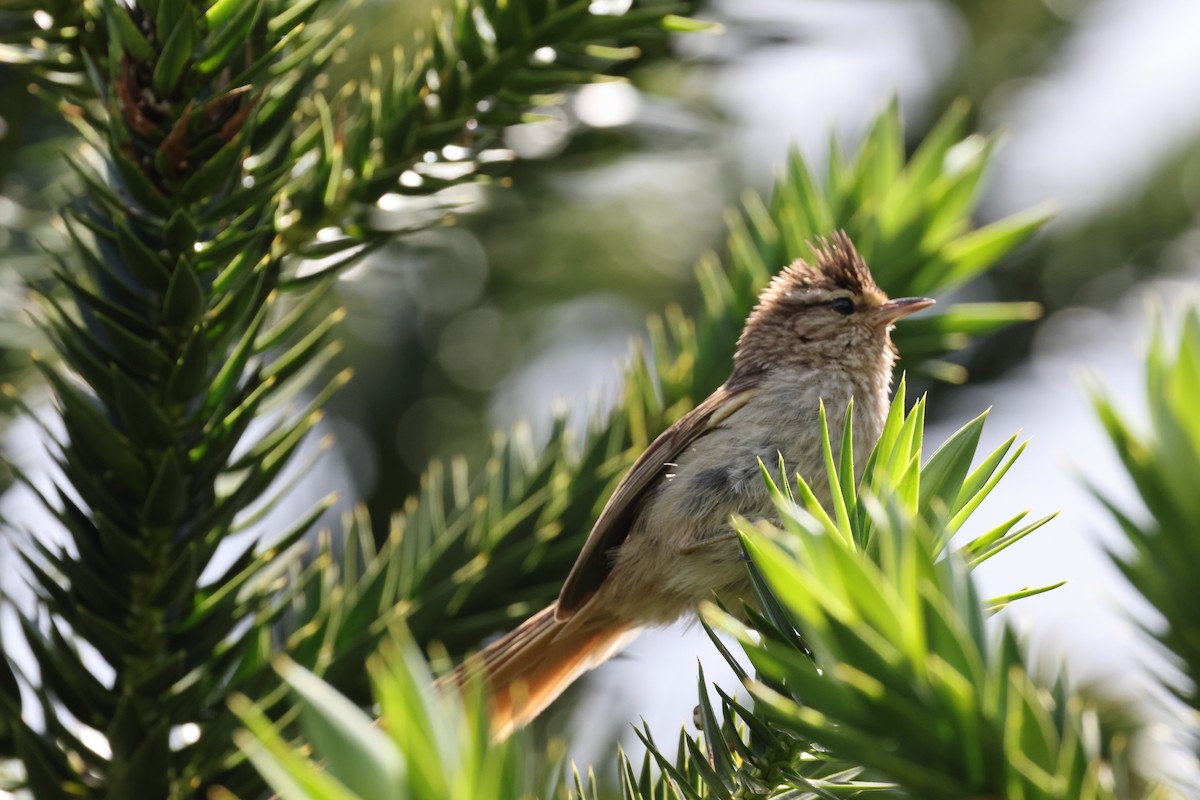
x: 612, y: 527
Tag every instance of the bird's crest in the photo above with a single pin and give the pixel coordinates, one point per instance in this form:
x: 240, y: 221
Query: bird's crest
x: 836, y: 266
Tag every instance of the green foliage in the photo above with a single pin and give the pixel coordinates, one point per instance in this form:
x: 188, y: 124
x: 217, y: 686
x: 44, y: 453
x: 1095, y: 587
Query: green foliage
x: 942, y: 493
x: 428, y: 745
x: 1163, y: 463
x: 418, y: 125
x: 903, y: 679
x: 210, y: 161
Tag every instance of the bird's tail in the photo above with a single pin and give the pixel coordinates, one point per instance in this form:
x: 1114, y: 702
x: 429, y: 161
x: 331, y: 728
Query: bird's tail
x: 527, y: 669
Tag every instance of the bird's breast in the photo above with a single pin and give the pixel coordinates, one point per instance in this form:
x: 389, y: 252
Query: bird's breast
x: 680, y: 551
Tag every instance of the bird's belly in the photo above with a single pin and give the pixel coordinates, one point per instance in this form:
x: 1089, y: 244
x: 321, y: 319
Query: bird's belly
x: 683, y: 549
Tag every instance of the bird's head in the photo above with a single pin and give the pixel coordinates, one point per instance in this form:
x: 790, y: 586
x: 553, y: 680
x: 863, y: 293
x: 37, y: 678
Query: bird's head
x: 827, y: 313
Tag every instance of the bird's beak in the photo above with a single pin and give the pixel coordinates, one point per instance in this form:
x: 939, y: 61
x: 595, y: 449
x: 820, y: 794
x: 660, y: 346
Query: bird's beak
x: 893, y: 310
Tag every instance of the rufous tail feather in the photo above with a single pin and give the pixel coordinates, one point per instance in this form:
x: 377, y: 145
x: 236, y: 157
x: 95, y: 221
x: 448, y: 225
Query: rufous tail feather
x: 530, y: 667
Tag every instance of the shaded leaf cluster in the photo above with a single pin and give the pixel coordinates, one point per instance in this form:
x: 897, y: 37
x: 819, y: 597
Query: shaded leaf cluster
x: 205, y: 145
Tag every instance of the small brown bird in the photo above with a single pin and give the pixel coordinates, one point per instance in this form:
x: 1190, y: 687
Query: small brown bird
x: 663, y: 543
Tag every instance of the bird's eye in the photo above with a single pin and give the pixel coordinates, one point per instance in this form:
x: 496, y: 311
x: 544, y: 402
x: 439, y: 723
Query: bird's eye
x: 843, y: 306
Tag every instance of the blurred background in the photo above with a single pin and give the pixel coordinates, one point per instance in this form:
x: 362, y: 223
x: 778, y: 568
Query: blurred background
x: 532, y: 297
